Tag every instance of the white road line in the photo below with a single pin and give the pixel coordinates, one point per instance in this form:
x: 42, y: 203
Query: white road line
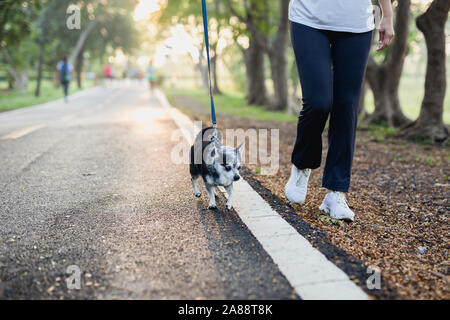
x: 21, y: 132
x: 309, y: 272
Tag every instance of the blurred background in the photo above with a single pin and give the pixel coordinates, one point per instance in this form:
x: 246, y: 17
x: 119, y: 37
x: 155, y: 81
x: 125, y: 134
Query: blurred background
x: 252, y: 61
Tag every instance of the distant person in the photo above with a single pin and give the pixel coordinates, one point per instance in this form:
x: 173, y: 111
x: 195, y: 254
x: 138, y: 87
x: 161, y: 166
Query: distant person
x: 133, y: 73
x: 65, y: 69
x: 151, y: 76
x: 108, y: 74
x: 107, y: 71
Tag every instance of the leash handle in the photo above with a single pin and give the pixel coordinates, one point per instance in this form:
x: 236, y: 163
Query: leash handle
x: 205, y: 27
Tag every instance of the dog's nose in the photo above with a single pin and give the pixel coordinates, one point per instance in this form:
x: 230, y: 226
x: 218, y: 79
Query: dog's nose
x: 236, y: 177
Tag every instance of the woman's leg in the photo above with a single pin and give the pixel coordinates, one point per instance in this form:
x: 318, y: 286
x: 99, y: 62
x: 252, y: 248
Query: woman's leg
x: 313, y: 57
x: 349, y: 55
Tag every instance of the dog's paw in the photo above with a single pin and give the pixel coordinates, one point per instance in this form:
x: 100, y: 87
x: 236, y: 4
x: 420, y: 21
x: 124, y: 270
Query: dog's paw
x: 197, y: 194
x: 212, y: 207
x: 229, y: 206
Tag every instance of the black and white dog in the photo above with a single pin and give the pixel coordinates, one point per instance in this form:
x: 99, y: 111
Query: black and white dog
x: 218, y: 165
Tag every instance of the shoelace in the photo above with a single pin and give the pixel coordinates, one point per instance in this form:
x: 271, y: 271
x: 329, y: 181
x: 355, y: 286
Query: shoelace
x: 340, y: 198
x: 301, y: 177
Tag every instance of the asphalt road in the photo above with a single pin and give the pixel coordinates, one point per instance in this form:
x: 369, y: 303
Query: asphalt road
x: 91, y: 183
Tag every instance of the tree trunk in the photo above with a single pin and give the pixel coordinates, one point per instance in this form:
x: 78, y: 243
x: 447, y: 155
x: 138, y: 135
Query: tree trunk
x: 81, y: 41
x: 216, y: 89
x: 39, y: 71
x: 79, y: 68
x: 278, y: 59
x: 10, y: 82
x: 203, y: 69
x: 253, y: 55
x: 279, y: 78
x: 362, y: 99
x: 384, y: 84
x: 204, y: 75
x: 20, y: 79
x: 254, y: 66
x: 20, y: 76
x: 430, y: 123
x: 384, y: 79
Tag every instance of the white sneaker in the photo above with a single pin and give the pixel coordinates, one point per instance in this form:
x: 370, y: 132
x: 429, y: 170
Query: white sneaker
x: 336, y: 206
x: 297, y: 185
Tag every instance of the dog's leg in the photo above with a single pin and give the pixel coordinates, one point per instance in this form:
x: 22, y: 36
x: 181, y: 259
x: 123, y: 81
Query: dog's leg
x: 212, y: 198
x: 230, y: 196
x: 194, y: 185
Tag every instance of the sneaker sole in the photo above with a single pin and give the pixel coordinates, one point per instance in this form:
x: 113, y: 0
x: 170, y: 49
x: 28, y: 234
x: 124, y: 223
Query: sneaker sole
x: 287, y: 197
x: 298, y: 202
x: 325, y: 209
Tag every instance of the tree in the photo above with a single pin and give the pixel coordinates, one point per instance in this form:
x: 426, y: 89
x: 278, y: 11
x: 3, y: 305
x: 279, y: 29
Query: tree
x: 277, y: 51
x: 214, y: 50
x: 10, y: 8
x: 250, y: 22
x: 37, y: 92
x: 430, y: 123
x: 272, y: 39
x: 80, y: 45
x: 42, y: 32
x: 384, y: 79
x: 253, y: 16
x: 115, y: 29
x: 5, y: 12
x: 110, y: 21
x: 188, y: 13
x: 15, y: 27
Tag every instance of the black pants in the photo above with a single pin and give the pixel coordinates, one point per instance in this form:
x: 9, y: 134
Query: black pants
x: 65, y: 85
x: 331, y: 68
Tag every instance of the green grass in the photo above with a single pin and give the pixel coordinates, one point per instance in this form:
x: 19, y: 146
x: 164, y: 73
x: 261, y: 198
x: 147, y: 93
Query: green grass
x: 235, y: 105
x: 378, y: 132
x: 10, y: 100
x: 411, y: 93
x: 229, y: 104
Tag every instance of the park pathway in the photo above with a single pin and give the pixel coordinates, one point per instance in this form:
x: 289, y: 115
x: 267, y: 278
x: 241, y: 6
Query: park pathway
x: 90, y: 184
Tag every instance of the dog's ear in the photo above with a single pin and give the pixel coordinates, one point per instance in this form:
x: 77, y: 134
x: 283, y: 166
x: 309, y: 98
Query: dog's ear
x: 240, y: 149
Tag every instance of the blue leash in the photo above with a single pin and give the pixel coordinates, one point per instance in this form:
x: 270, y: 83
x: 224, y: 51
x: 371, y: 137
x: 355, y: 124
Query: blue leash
x: 205, y: 27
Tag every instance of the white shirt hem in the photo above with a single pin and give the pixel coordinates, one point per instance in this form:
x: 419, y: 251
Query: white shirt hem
x: 332, y: 28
